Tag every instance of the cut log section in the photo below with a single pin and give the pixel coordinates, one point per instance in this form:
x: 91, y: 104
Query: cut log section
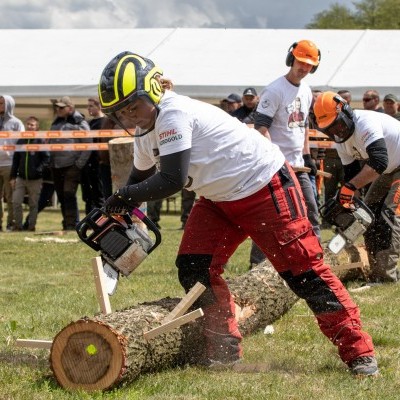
x: 101, y: 352
x: 121, y: 160
x: 349, y: 264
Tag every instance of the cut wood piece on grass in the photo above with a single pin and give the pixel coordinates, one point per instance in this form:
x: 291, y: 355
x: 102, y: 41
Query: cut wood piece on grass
x: 54, y: 233
x: 34, y: 343
x: 79, y: 363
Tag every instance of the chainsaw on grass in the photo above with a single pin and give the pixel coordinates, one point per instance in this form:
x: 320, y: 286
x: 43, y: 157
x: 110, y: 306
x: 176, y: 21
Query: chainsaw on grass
x: 349, y: 223
x: 122, y: 243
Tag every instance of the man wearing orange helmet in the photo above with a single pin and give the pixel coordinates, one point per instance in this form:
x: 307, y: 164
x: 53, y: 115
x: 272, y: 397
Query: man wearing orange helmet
x: 284, y: 100
x: 374, y: 137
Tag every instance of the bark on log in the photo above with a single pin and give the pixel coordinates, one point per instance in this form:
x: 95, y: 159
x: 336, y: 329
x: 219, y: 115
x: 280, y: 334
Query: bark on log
x: 101, y: 352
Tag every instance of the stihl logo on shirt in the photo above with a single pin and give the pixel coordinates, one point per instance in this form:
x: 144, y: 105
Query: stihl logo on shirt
x: 169, y: 136
x: 168, y: 133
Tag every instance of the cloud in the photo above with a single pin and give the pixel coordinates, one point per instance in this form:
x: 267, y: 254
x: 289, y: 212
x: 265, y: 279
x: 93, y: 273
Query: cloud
x: 58, y: 14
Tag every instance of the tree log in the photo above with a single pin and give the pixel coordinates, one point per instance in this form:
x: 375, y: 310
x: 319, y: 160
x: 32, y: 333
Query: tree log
x: 121, y: 160
x: 350, y: 255
x: 100, y: 352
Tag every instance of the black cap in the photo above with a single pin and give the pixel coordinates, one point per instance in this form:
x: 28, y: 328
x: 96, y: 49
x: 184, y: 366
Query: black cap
x: 250, y: 91
x: 233, y: 98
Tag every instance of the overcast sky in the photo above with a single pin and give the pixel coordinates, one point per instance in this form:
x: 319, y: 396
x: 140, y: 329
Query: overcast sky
x: 56, y: 14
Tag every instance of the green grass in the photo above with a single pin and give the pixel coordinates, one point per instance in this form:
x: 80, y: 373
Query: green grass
x: 46, y: 285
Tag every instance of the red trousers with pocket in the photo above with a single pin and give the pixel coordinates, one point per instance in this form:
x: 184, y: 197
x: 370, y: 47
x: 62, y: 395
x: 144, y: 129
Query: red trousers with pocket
x: 276, y: 219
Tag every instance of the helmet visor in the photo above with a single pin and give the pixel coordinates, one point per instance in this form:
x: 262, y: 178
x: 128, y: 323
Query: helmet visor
x: 340, y: 129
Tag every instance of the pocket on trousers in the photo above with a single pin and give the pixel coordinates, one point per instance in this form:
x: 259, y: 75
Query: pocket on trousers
x: 299, y: 247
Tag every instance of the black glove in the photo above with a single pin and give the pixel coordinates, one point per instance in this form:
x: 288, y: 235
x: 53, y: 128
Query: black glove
x: 118, y: 203
x: 310, y: 163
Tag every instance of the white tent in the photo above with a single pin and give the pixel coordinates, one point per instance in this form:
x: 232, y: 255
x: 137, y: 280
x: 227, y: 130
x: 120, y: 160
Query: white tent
x: 203, y: 63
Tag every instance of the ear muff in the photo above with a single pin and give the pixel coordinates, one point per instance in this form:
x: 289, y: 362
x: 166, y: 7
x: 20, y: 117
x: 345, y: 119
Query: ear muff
x: 290, y: 58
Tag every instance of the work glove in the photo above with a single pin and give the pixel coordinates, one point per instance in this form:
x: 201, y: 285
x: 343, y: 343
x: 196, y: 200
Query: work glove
x: 119, y: 203
x: 346, y: 195
x: 310, y: 163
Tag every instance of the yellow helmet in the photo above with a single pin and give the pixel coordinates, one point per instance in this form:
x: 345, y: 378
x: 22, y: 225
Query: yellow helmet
x: 126, y: 77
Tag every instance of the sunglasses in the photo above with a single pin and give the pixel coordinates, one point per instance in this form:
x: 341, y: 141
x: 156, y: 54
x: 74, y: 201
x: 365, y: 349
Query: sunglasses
x: 367, y: 99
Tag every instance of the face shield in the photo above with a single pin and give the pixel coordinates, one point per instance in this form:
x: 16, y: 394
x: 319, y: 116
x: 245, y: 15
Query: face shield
x: 340, y: 129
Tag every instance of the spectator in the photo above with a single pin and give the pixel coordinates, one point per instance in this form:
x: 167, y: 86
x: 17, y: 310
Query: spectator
x: 232, y: 102
x: 92, y: 189
x: 371, y: 101
x: 375, y: 138
x: 390, y: 106
x: 250, y: 101
x: 8, y: 122
x: 246, y: 189
x: 345, y: 94
x: 26, y: 177
x: 67, y: 165
x: 282, y: 116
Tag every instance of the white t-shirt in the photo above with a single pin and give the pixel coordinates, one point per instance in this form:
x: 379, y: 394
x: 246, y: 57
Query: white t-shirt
x: 229, y: 160
x: 369, y: 127
x: 288, y: 105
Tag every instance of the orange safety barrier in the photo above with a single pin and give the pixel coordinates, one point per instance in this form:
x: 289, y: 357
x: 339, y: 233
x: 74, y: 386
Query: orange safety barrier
x: 55, y: 147
x: 103, y: 133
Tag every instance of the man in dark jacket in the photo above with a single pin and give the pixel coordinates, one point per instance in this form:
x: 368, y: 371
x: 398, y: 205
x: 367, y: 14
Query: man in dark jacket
x: 67, y: 165
x: 26, y: 177
x: 250, y: 102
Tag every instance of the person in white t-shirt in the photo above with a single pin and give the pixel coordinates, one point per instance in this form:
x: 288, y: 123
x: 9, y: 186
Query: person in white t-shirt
x: 245, y: 188
x: 374, y: 137
x: 282, y: 116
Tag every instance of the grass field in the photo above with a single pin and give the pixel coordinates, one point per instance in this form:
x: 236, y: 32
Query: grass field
x: 44, y: 285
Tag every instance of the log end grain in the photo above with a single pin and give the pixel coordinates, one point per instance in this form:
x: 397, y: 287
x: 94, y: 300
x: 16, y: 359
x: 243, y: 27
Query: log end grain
x: 88, y: 355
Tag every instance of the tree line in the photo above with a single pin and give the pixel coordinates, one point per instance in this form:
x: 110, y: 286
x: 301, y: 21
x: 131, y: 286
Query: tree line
x: 368, y: 14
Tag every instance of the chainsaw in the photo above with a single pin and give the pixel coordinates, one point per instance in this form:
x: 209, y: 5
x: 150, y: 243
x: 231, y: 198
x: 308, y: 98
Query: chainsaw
x: 122, y: 243
x: 349, y: 223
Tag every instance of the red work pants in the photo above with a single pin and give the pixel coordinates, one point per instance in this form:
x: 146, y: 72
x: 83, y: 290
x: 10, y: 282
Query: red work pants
x: 275, y: 218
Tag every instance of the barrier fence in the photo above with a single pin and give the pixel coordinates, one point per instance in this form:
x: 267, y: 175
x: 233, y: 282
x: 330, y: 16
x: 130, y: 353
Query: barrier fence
x: 317, y: 140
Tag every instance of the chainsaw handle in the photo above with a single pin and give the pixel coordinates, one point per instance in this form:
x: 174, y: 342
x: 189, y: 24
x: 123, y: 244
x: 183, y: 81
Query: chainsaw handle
x: 150, y: 225
x: 89, y: 224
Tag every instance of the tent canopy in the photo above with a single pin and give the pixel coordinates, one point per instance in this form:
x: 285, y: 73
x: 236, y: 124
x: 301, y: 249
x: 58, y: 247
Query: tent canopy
x: 202, y: 63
